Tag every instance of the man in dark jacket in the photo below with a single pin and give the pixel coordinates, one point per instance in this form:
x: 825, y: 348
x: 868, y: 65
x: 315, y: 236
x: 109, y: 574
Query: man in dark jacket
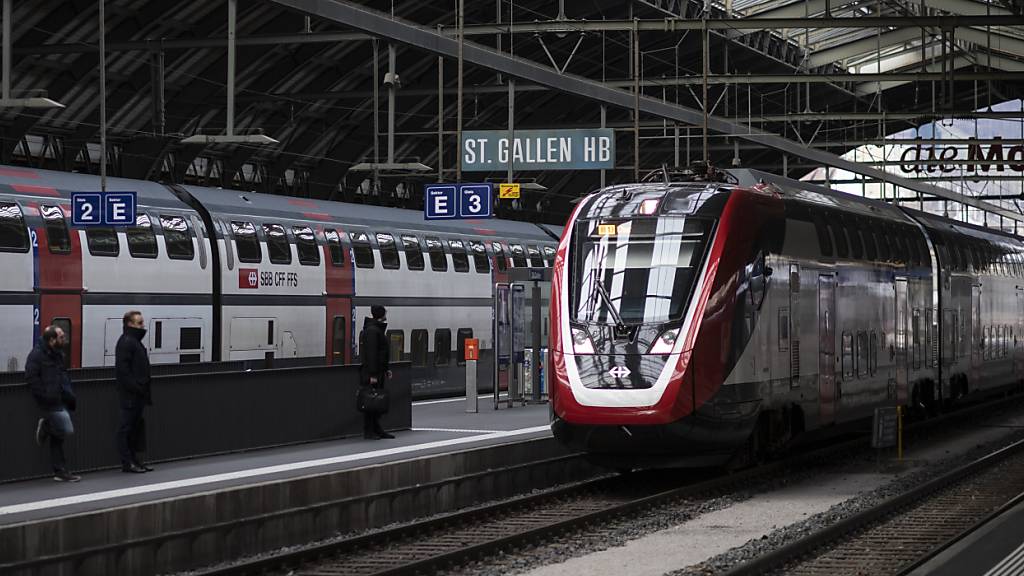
x: 51, y: 387
x: 132, y: 367
x: 373, y: 346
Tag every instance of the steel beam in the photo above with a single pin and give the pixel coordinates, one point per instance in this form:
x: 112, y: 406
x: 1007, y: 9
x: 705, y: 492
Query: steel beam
x: 394, y: 29
x: 1008, y: 65
x: 667, y: 25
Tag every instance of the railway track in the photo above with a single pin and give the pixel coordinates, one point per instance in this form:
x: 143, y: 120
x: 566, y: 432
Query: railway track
x: 901, y: 533
x: 452, y: 539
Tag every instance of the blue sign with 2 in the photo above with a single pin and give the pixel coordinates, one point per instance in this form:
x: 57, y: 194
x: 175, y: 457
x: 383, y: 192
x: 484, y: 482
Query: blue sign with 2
x: 103, y: 208
x: 457, y: 201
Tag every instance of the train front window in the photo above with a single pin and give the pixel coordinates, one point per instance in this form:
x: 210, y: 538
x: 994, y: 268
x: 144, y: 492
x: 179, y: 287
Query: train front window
x: 636, y: 271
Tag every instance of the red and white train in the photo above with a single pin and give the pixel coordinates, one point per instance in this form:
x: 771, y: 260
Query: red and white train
x: 228, y: 275
x: 694, y: 321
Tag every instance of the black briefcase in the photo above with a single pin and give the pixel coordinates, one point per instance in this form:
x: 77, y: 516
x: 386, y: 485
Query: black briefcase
x: 372, y: 400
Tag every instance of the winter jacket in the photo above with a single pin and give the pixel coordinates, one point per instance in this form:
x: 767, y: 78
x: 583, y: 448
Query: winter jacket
x: 47, y: 378
x: 376, y: 354
x: 132, y: 367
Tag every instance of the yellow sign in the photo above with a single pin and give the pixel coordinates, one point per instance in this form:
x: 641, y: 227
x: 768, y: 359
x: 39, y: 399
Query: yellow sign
x: 606, y: 229
x: 508, y: 191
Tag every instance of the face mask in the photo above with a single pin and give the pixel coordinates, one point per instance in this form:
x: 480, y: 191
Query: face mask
x: 139, y: 333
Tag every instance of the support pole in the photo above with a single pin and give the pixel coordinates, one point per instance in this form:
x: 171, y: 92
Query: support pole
x: 537, y: 328
x: 461, y: 16
x: 472, y: 397
x: 232, y: 13
x: 604, y: 124
x: 8, y: 43
x: 103, y: 96
x: 391, y: 103
x: 705, y: 56
x: 511, y: 125
x: 440, y: 115
x: 635, y: 45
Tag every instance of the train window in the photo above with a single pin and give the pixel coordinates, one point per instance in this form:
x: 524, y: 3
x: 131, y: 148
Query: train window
x: 438, y: 261
x: 418, y: 347
x: 922, y: 249
x: 102, y: 241
x: 334, y: 247
x: 783, y: 329
x: 65, y: 325
x: 549, y: 256
x: 899, y: 250
x: 480, y: 259
x: 442, y: 346
x: 459, y: 259
x: 388, y: 251
x: 338, y: 340
x: 270, y: 332
x: 190, y: 338
x: 882, y: 243
x: 839, y: 234
x: 141, y: 238
x: 869, y: 239
x: 57, y: 237
x: 177, y: 239
x: 957, y: 256
x: 848, y: 368
x: 277, y: 244
x: 247, y: 245
x: 158, y: 334
x: 460, y: 345
x: 305, y: 245
x: 518, y: 256
x: 535, y: 260
x: 13, y: 233
x: 856, y: 244
x: 363, y: 251
x: 915, y: 338
x: 873, y: 353
x: 824, y: 239
x: 975, y: 256
x: 499, y: 256
x: 413, y: 252
x: 863, y: 353
x: 396, y: 344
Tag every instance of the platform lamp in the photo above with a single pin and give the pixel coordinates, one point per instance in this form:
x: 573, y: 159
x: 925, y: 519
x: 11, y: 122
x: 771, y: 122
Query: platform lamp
x: 229, y: 136
x: 37, y: 102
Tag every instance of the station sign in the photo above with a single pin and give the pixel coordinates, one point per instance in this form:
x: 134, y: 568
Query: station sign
x: 579, y: 149
x: 103, y: 208
x: 457, y: 201
x: 508, y: 191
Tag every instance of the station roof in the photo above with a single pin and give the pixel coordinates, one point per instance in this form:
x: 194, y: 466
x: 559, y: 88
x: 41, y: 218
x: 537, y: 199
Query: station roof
x: 307, y: 81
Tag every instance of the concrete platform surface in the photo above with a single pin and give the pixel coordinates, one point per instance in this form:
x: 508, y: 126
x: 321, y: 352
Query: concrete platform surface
x: 439, y: 426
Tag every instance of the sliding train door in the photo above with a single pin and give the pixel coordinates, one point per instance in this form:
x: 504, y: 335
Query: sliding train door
x: 826, y: 350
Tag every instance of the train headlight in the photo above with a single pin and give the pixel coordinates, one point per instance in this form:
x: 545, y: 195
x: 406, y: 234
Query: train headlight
x: 665, y: 342
x: 581, y: 343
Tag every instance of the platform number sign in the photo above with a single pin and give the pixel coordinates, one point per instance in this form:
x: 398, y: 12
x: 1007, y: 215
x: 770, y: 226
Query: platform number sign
x: 457, y: 201
x: 103, y: 208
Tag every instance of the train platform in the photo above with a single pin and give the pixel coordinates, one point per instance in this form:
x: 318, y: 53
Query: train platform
x: 438, y: 426
x: 994, y: 549
x: 212, y: 508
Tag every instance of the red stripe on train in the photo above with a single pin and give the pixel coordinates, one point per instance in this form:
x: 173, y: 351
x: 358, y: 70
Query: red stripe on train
x: 36, y: 190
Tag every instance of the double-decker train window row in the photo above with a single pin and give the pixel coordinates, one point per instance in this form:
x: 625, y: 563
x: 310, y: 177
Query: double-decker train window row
x: 365, y: 254
x: 141, y: 238
x: 419, y: 347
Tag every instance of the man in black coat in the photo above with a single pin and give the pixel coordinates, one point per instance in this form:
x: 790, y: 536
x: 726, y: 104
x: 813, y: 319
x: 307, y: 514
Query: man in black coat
x: 132, y: 367
x: 373, y: 346
x: 51, y: 387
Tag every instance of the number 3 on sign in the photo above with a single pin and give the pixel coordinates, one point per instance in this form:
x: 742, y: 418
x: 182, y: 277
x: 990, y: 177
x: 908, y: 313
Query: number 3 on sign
x: 474, y: 204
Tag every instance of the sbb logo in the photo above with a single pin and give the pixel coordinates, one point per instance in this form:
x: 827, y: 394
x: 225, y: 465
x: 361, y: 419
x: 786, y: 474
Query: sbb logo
x: 248, y: 278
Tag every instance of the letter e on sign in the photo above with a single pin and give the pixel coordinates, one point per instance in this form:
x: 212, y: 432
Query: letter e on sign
x: 248, y: 278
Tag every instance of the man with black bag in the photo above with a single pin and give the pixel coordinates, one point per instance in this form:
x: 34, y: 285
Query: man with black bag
x: 133, y: 390
x: 51, y: 387
x: 372, y: 399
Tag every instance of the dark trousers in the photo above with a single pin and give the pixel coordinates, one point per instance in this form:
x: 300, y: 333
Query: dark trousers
x: 128, y: 430
x: 371, y: 423
x: 58, y: 427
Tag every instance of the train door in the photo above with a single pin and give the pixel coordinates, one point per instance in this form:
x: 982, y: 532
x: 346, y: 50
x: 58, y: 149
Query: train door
x: 57, y: 253
x: 901, y: 356
x: 826, y: 349
x: 794, y: 326
x: 1018, y: 336
x: 976, y: 334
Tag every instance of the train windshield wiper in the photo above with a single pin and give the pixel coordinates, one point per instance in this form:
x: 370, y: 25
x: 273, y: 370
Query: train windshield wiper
x: 619, y: 324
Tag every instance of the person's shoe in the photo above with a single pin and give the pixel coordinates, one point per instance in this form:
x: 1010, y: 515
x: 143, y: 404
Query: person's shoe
x: 65, y: 476
x: 145, y: 467
x: 133, y: 469
x: 41, y: 431
x: 384, y: 435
